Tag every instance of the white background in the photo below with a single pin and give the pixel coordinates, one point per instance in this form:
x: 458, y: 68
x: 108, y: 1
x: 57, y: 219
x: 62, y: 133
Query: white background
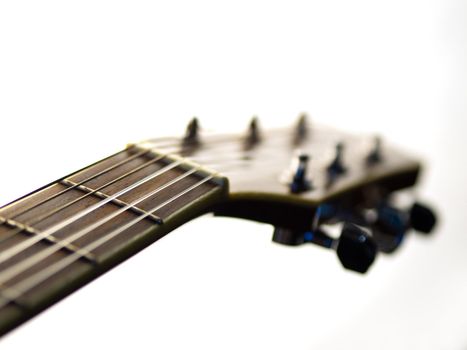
x: 78, y: 80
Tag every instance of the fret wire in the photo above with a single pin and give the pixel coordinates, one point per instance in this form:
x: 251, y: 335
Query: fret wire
x: 83, y: 181
x: 77, y: 185
x: 11, y: 294
x: 51, y: 230
x: 32, y: 260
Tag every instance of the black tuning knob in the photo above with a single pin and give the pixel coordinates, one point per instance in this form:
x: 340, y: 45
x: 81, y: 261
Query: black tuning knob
x: 356, y: 249
x: 422, y: 218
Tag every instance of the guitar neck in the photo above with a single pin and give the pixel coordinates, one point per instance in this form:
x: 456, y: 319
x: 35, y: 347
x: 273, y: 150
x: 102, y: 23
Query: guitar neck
x: 59, y: 238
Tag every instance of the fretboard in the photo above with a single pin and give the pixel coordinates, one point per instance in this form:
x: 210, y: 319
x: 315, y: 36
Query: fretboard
x: 57, y: 239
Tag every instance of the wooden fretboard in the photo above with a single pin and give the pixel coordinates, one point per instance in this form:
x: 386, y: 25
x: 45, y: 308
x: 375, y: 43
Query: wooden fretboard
x: 57, y: 239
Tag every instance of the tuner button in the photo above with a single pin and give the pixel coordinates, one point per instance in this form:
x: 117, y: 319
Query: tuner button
x: 356, y: 250
x: 422, y: 218
x: 337, y: 167
x: 192, y: 132
x: 375, y: 155
x: 253, y: 134
x: 299, y: 182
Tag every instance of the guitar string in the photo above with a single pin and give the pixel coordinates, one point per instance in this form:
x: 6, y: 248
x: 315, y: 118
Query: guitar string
x: 239, y: 161
x: 210, y: 139
x: 13, y: 293
x: 15, y: 250
x: 225, y: 169
x: 174, y: 142
x: 226, y: 162
x: 58, y: 226
x: 66, y: 205
x: 159, y: 145
x: 7, y: 254
x: 21, y: 212
x: 15, y: 270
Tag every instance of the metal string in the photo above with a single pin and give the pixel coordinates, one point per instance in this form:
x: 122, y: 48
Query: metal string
x: 32, y: 260
x: 32, y: 240
x: 162, y: 144
x: 225, y: 166
x: 229, y: 162
x: 15, y: 250
x: 13, y: 293
x: 21, y: 212
x: 66, y: 205
x: 54, y: 211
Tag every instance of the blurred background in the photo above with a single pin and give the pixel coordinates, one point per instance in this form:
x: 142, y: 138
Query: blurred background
x: 79, y: 80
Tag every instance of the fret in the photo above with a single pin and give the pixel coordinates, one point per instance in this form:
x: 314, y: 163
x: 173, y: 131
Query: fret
x: 117, y: 201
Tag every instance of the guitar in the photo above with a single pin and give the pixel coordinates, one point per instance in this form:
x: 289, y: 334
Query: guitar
x: 303, y: 181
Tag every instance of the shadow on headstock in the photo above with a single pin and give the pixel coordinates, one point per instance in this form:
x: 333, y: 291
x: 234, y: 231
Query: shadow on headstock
x: 307, y: 177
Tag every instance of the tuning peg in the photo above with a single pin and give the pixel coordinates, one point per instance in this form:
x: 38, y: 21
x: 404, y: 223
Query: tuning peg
x: 337, y: 167
x: 253, y: 134
x: 301, y: 129
x: 375, y: 155
x: 422, y: 218
x: 390, y: 228
x: 192, y: 132
x: 356, y: 249
x: 299, y: 182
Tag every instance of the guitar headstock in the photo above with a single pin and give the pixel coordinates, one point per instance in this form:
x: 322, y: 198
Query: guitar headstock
x: 309, y: 176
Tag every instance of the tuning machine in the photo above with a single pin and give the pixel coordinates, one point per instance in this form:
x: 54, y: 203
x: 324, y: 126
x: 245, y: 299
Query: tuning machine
x: 362, y: 236
x: 355, y: 247
x: 389, y: 225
